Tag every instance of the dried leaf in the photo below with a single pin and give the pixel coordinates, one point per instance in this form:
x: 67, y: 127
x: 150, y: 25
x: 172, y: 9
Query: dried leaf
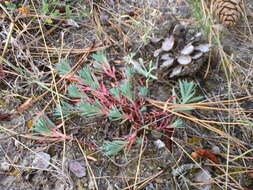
x: 2, y: 102
x: 30, y: 124
x: 25, y: 105
x: 5, y: 116
x: 218, y: 27
x: 168, y: 43
x: 207, y: 154
x: 24, y: 10
x: 194, y: 140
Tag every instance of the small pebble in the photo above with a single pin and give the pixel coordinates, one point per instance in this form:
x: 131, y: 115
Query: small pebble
x: 216, y: 149
x: 41, y: 161
x: 159, y: 144
x: 5, y: 166
x: 77, y: 168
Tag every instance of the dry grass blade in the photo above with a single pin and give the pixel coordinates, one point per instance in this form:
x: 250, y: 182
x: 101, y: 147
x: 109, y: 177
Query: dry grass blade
x: 90, y: 172
x: 144, y: 181
x: 25, y: 105
x: 206, y: 106
x: 204, y: 123
x: 88, y: 49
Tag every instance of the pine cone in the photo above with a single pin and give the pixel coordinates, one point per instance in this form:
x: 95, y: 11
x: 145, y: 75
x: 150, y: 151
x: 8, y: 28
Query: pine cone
x: 227, y: 12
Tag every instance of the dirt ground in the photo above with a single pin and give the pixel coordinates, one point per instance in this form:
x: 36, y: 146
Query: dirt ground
x: 223, y: 77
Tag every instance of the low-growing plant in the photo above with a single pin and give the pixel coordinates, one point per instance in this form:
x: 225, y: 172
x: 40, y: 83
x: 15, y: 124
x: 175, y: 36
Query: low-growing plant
x: 101, y: 90
x: 119, y: 95
x: 186, y: 95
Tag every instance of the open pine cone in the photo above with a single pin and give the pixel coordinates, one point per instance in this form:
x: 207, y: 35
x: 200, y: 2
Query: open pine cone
x: 227, y: 12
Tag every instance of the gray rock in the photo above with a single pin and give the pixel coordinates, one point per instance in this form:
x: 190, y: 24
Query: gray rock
x: 77, y: 168
x: 5, y: 166
x: 41, y: 161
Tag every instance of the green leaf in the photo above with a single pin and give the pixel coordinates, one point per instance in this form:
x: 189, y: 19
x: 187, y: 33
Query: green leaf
x: 247, y: 122
x: 55, y: 13
x: 65, y: 110
x: 63, y: 67
x: 90, y: 110
x: 45, y: 7
x: 10, y: 5
x: 126, y: 89
x: 178, y: 123
x: 101, y: 61
x: 68, y: 11
x: 143, y: 109
x: 139, y: 140
x: 114, y: 147
x: 141, y: 69
x: 99, y: 57
x: 42, y: 125
x: 89, y: 78
x: 174, y: 100
x: 73, y: 91
x: 115, y: 92
x: 187, y: 92
x: 114, y: 114
x: 196, y: 99
x: 143, y: 91
x: 49, y: 20
x: 129, y: 71
x: 139, y: 66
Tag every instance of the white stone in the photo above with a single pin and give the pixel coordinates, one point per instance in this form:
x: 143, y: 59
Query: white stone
x: 159, y: 144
